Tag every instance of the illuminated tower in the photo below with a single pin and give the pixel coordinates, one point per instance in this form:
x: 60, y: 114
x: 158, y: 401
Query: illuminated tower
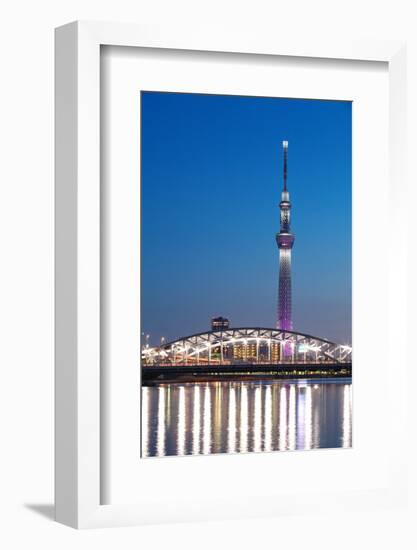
x: 285, y: 241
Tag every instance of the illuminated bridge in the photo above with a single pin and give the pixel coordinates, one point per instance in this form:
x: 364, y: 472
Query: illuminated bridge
x: 250, y: 346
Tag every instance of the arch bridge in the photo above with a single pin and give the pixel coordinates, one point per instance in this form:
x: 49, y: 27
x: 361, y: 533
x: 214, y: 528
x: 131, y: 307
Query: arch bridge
x: 247, y: 345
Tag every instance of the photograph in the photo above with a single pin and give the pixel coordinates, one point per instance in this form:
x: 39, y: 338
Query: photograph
x: 208, y: 220
x: 213, y: 212
x: 245, y: 342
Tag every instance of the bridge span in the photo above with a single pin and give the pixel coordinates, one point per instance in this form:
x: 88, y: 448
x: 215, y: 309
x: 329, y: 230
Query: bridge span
x: 247, y: 346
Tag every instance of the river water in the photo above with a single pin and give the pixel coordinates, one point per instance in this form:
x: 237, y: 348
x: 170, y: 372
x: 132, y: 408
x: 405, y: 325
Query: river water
x: 240, y: 417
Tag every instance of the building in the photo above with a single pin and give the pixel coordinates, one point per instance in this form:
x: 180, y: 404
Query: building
x: 285, y: 241
x: 219, y: 323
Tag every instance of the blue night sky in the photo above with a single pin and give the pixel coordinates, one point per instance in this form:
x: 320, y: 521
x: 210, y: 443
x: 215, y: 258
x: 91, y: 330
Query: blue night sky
x: 211, y: 184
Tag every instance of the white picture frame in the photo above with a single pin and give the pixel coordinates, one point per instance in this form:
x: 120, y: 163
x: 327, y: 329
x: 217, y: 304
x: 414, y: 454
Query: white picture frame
x: 78, y: 405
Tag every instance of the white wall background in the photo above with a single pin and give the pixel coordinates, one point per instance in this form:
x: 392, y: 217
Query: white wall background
x: 26, y: 272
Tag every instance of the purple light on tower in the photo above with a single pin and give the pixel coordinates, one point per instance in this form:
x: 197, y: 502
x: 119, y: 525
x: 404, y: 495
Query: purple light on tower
x: 285, y: 241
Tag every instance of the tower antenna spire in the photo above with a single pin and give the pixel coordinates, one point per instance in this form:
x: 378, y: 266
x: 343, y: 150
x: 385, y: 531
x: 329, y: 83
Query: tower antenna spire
x: 285, y: 147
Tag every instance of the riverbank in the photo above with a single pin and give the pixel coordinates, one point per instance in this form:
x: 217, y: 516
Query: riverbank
x: 208, y: 373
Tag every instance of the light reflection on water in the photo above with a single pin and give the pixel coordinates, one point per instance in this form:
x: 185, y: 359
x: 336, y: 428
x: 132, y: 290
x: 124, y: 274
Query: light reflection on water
x: 233, y: 417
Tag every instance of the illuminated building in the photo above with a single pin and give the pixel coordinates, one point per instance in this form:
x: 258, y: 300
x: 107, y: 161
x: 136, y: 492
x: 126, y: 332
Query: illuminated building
x: 285, y: 241
x: 219, y: 323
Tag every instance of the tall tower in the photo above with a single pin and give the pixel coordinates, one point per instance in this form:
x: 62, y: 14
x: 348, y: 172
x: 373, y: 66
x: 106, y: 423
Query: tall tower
x: 285, y: 241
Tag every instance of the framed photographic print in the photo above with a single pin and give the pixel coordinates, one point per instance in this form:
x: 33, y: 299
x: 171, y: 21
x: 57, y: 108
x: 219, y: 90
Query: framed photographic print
x: 221, y: 245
